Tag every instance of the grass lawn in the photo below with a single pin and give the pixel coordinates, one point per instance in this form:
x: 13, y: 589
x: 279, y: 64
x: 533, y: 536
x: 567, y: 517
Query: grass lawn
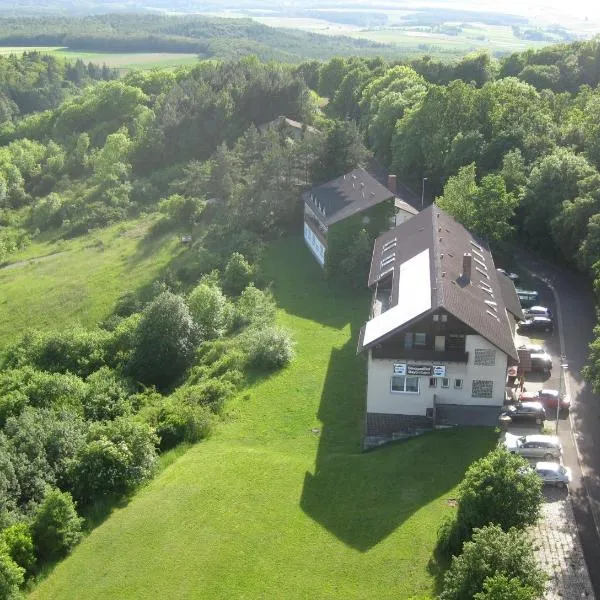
x: 281, y: 502
x: 79, y: 280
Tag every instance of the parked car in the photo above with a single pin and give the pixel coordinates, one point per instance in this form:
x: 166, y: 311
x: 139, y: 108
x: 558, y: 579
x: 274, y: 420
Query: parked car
x: 512, y: 276
x: 547, y: 447
x: 537, y: 311
x: 527, y: 298
x: 526, y: 411
x: 537, y: 324
x: 553, y: 473
x: 541, y: 361
x: 549, y: 398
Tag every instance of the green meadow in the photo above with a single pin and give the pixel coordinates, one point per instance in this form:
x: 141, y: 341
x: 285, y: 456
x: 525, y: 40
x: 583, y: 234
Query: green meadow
x: 281, y: 502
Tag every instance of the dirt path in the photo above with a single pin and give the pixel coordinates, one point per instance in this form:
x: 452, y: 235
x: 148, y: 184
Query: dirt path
x: 21, y: 263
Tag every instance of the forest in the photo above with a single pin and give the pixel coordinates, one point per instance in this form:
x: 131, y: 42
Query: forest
x: 511, y: 147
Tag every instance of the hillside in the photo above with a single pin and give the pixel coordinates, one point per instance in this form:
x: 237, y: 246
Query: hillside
x: 281, y: 502
x: 208, y: 37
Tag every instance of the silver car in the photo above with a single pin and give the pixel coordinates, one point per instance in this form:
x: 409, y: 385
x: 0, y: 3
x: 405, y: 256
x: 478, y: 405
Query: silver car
x: 553, y: 473
x: 547, y: 447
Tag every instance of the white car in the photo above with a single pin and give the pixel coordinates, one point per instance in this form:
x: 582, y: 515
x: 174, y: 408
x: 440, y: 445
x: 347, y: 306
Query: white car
x: 547, y: 447
x: 553, y: 473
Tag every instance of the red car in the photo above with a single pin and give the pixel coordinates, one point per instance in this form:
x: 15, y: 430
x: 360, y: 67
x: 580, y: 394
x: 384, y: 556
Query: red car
x: 549, y: 398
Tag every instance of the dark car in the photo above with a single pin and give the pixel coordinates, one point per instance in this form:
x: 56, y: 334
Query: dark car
x: 526, y: 411
x: 541, y: 361
x: 538, y: 324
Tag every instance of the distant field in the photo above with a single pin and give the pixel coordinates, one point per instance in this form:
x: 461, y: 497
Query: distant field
x: 117, y: 60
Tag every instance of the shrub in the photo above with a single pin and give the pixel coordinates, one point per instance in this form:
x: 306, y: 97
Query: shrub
x: 165, y: 341
x: 11, y: 576
x: 492, y: 552
x: 56, y: 527
x: 176, y: 422
x: 58, y: 390
x: 269, y: 348
x: 19, y: 544
x: 210, y: 392
x: 117, y: 457
x: 501, y: 587
x: 107, y: 396
x: 254, y: 307
x: 498, y: 488
x: 237, y: 274
x: 210, y: 310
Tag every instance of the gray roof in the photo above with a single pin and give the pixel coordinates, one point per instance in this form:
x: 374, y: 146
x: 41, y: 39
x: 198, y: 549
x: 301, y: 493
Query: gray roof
x: 347, y: 195
x: 282, y: 120
x: 509, y: 295
x: 479, y: 303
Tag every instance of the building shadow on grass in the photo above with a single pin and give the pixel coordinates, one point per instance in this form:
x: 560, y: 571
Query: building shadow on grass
x: 363, y: 497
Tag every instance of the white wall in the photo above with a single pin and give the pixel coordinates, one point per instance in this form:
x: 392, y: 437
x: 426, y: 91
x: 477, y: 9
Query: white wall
x: 314, y: 244
x: 380, y: 398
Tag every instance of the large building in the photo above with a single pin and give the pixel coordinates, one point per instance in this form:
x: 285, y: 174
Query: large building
x: 441, y: 331
x: 352, y: 194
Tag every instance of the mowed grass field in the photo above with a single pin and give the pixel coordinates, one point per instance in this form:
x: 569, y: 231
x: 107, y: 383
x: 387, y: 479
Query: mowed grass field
x: 123, y: 61
x: 58, y: 284
x: 281, y: 502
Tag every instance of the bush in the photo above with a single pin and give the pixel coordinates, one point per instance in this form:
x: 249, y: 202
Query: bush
x: 107, y: 396
x: 492, y: 552
x: 269, y: 348
x: 501, y: 587
x: 254, y: 307
x: 118, y: 456
x: 11, y: 576
x: 19, y: 544
x: 210, y: 392
x: 165, y: 341
x: 210, y: 310
x: 499, y: 488
x: 176, y: 422
x: 56, y: 527
x: 237, y: 274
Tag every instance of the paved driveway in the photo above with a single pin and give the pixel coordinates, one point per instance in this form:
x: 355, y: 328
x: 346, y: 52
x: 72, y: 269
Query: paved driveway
x: 580, y: 434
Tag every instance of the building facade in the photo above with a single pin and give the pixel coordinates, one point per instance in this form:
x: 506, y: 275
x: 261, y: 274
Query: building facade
x: 441, y: 336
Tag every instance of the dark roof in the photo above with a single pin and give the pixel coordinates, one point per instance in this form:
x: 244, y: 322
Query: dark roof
x: 479, y: 303
x: 347, y: 195
x: 509, y: 295
x: 374, y: 168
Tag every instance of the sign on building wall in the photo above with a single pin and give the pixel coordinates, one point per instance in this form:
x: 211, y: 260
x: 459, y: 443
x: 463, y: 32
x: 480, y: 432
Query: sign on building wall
x: 399, y: 368
x: 422, y: 370
x: 439, y: 370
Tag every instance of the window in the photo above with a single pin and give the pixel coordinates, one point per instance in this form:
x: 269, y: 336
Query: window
x: 455, y: 343
x: 432, y: 382
x: 408, y: 340
x: 482, y: 388
x: 445, y: 382
x: 485, y: 357
x: 406, y: 385
x: 420, y: 339
x: 458, y: 383
x: 440, y: 343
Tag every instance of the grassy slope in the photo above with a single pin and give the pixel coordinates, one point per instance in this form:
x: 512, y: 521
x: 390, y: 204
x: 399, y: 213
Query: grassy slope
x: 78, y: 280
x: 269, y: 508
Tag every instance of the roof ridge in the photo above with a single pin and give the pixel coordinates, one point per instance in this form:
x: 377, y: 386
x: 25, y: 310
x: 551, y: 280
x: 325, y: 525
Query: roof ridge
x: 436, y: 266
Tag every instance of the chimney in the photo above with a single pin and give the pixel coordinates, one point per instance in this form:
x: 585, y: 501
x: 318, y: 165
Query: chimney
x: 392, y: 184
x: 466, y: 269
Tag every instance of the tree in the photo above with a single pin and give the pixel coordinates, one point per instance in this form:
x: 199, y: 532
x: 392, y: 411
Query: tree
x: 11, y: 577
x: 56, y: 527
x: 498, y: 488
x: 485, y: 209
x: 165, y: 341
x: 118, y: 456
x: 492, y: 552
x: 237, y: 275
x: 210, y: 310
x: 501, y: 587
x: 269, y: 347
x: 343, y: 151
x: 19, y: 545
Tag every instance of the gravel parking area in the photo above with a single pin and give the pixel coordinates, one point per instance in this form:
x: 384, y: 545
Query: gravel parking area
x: 558, y: 549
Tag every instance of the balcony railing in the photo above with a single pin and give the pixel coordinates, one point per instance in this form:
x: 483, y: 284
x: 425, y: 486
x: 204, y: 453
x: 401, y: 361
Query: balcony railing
x: 421, y: 354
